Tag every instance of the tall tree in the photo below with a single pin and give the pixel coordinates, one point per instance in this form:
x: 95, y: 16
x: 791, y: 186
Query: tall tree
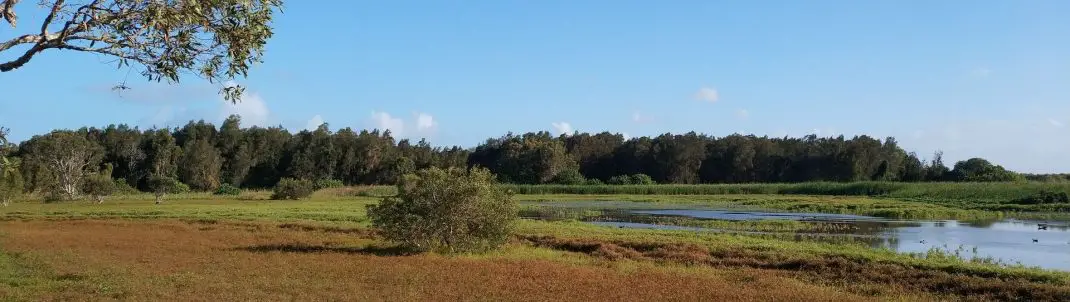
x: 122, y: 149
x: 161, y: 154
x: 11, y: 183
x: 235, y: 152
x: 199, y: 165
x: 213, y: 39
x: 65, y: 158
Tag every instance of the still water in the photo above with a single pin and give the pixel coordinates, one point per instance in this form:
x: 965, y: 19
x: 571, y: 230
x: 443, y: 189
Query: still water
x: 1030, y: 243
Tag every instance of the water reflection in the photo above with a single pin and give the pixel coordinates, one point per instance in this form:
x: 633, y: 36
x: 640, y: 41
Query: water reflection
x: 1031, y: 243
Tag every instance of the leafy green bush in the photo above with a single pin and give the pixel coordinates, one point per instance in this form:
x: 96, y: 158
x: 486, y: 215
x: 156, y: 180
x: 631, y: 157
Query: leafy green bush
x: 594, y: 182
x: 620, y: 180
x: 98, y: 186
x: 449, y: 210
x: 329, y: 183
x: 293, y: 189
x: 569, y: 177
x: 228, y: 189
x: 160, y: 185
x: 122, y: 188
x: 641, y: 179
x: 1044, y: 197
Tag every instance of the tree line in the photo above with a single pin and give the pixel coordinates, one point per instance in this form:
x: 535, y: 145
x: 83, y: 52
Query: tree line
x: 204, y: 157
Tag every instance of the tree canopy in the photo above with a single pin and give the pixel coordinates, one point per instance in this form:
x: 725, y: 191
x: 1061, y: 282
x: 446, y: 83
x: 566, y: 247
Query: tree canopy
x: 216, y: 40
x: 205, y: 157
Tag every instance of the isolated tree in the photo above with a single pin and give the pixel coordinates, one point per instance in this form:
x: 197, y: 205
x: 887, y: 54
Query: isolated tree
x: 217, y: 40
x: 65, y: 157
x: 98, y: 186
x: 11, y: 183
x: 160, y: 185
x: 450, y: 210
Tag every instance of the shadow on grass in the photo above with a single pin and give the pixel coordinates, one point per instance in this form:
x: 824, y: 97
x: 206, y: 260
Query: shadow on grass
x: 306, y: 248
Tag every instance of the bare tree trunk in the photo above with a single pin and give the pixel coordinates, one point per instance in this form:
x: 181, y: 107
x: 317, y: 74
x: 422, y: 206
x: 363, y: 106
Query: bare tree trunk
x: 159, y: 199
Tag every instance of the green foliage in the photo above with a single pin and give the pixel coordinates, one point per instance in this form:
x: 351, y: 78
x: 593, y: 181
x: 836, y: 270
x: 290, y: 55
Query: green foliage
x: 569, y: 177
x: 60, y: 161
x: 11, y: 183
x: 1044, y: 197
x: 228, y: 189
x: 160, y: 185
x: 216, y: 40
x: 98, y: 186
x: 594, y: 182
x: 293, y: 189
x: 620, y: 180
x: 260, y: 157
x: 641, y: 179
x: 980, y: 170
x: 635, y: 179
x: 121, y: 187
x: 532, y: 158
x: 200, y: 165
x: 450, y: 210
x: 1003, y: 196
x: 328, y: 184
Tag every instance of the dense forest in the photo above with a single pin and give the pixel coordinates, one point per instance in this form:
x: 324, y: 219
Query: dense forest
x: 205, y: 157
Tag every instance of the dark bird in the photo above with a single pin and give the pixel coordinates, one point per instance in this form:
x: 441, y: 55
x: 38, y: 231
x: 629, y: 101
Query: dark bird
x: 923, y: 242
x: 1035, y: 240
x: 1042, y: 226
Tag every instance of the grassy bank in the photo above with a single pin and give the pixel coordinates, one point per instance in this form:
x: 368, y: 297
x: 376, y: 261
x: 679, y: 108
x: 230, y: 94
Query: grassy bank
x: 857, y: 205
x: 995, y: 196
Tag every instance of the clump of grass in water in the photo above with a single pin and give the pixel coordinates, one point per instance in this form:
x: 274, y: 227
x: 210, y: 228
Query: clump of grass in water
x: 558, y: 213
x: 964, y: 254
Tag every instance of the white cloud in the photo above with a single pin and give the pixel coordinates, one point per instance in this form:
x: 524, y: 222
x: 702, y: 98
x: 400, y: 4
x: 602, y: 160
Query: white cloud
x: 742, y: 114
x: 383, y: 121
x: 251, y: 108
x: 314, y: 123
x: 707, y: 94
x: 562, y: 128
x: 981, y: 72
x: 425, y: 122
x: 626, y: 135
x: 638, y: 117
x: 1055, y: 123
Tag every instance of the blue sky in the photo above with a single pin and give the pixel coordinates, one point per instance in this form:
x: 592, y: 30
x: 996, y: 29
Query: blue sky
x: 972, y: 78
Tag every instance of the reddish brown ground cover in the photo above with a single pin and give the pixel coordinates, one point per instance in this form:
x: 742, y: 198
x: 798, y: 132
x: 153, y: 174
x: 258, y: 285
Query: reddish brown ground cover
x: 175, y: 260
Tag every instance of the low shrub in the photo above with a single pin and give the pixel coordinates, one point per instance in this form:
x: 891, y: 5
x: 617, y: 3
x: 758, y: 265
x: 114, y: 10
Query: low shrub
x: 450, y: 210
x: 569, y: 177
x: 123, y: 188
x: 329, y: 184
x: 293, y: 189
x: 160, y: 185
x: 620, y: 180
x: 641, y: 179
x: 1044, y: 197
x: 98, y: 187
x: 228, y: 189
